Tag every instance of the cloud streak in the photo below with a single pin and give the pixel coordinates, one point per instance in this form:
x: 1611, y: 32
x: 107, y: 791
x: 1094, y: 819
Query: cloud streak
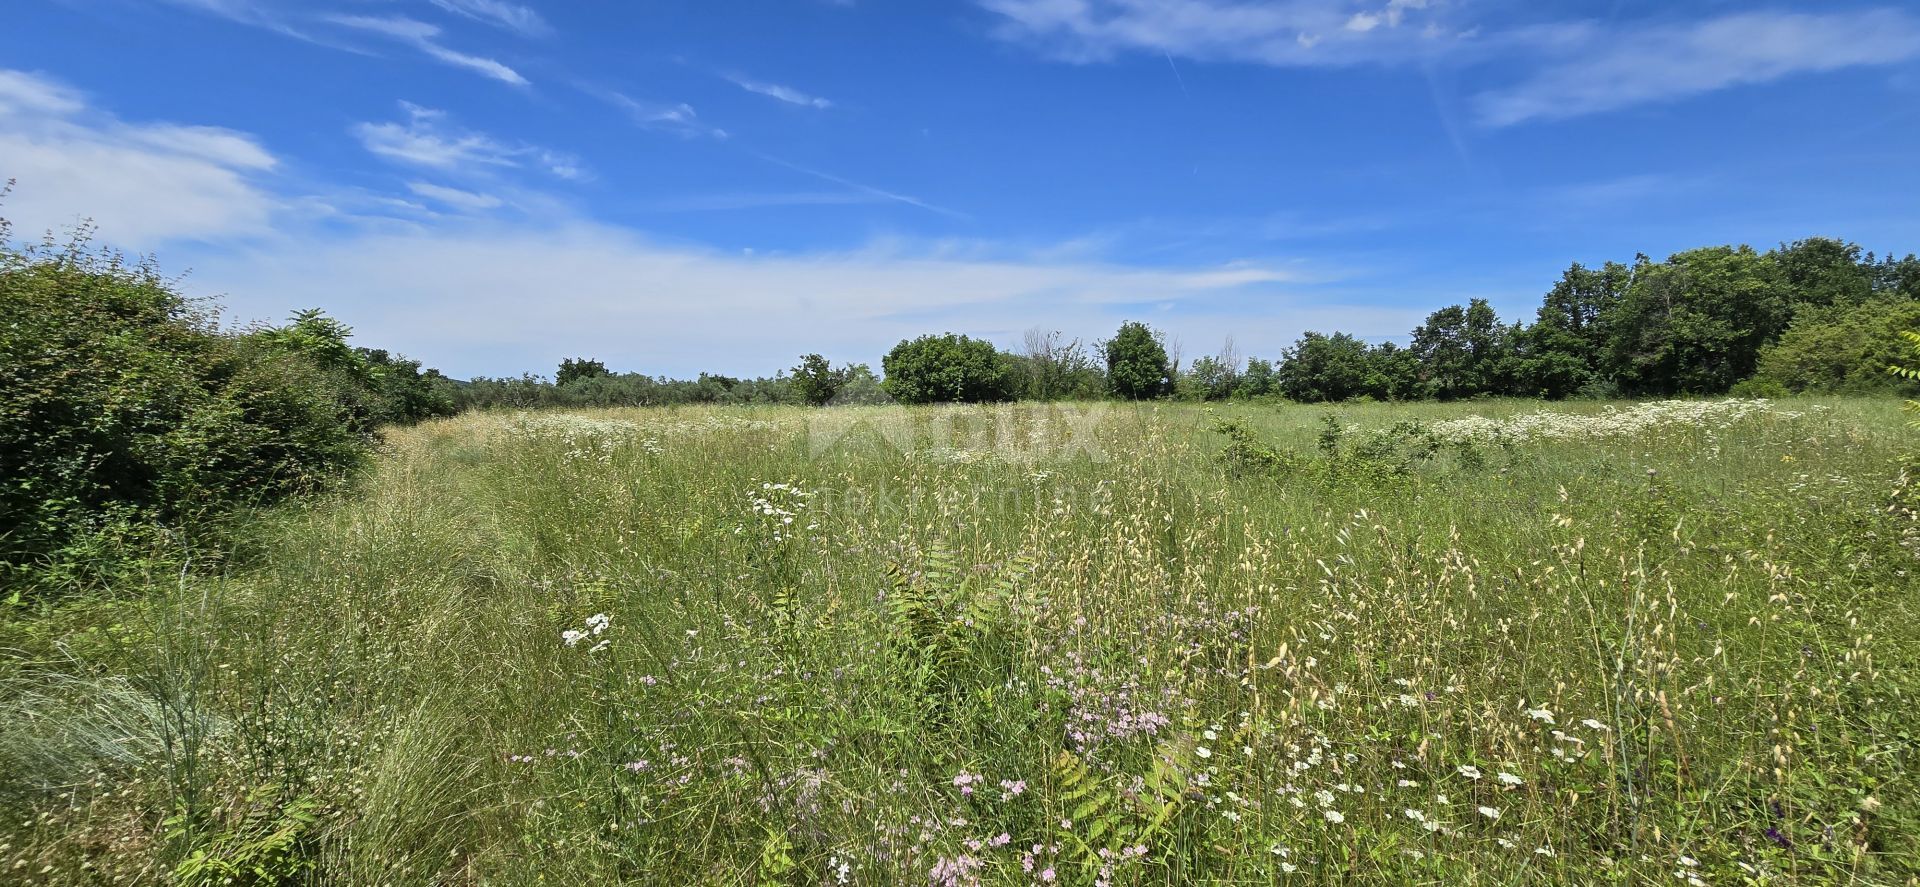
x: 679, y: 118
x: 1679, y: 61
x: 454, y: 197
x: 429, y: 140
x: 422, y: 36
x: 1297, y: 33
x: 736, y: 201
x: 783, y: 93
x: 864, y: 189
x: 1564, y: 69
x: 514, y: 17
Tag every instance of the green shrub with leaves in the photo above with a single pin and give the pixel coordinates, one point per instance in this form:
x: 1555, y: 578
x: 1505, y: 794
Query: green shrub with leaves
x: 947, y: 369
x: 1137, y: 363
x: 1372, y: 458
x: 1841, y: 350
x: 129, y: 423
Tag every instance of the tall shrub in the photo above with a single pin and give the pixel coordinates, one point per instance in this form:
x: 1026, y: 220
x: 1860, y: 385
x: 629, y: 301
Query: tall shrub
x: 127, y: 417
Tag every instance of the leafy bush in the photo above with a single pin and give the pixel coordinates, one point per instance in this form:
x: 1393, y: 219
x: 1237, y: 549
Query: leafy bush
x: 1840, y: 350
x: 1137, y: 365
x: 407, y: 393
x: 574, y: 369
x: 1380, y: 457
x: 128, y: 420
x: 818, y: 383
x: 947, y: 369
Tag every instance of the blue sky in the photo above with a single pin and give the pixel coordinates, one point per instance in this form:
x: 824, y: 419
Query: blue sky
x: 675, y: 186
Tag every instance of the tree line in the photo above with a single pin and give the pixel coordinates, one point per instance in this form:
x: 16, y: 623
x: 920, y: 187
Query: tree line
x: 1816, y: 315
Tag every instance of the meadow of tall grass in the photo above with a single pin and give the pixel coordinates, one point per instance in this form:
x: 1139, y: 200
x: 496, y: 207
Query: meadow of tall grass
x: 1015, y: 645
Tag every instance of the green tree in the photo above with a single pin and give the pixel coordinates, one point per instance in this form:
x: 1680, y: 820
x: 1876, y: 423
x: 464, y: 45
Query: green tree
x: 816, y: 381
x: 1258, y: 381
x: 1820, y: 272
x: 1324, y: 368
x: 1213, y: 377
x: 1564, y: 350
x: 1393, y: 372
x: 1895, y: 277
x: 1137, y: 366
x: 1695, y: 323
x: 946, y: 369
x: 1462, y: 352
x: 859, y: 385
x: 407, y: 393
x: 574, y: 369
x: 1841, y: 349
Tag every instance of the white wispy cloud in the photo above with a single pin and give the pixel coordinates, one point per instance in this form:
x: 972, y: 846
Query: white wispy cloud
x: 457, y: 296
x: 1300, y: 32
x: 1663, y: 63
x: 422, y: 36
x: 500, y: 13
x: 1564, y: 68
x: 427, y: 138
x: 454, y: 197
x: 760, y: 200
x: 678, y: 118
x: 142, y: 183
x: 22, y: 93
x: 265, y: 14
x: 863, y: 188
x: 784, y: 93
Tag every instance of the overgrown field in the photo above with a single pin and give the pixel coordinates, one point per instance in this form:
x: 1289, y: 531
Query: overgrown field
x: 1099, y: 644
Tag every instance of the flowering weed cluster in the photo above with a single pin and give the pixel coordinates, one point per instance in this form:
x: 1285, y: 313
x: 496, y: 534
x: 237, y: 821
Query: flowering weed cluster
x: 1632, y: 421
